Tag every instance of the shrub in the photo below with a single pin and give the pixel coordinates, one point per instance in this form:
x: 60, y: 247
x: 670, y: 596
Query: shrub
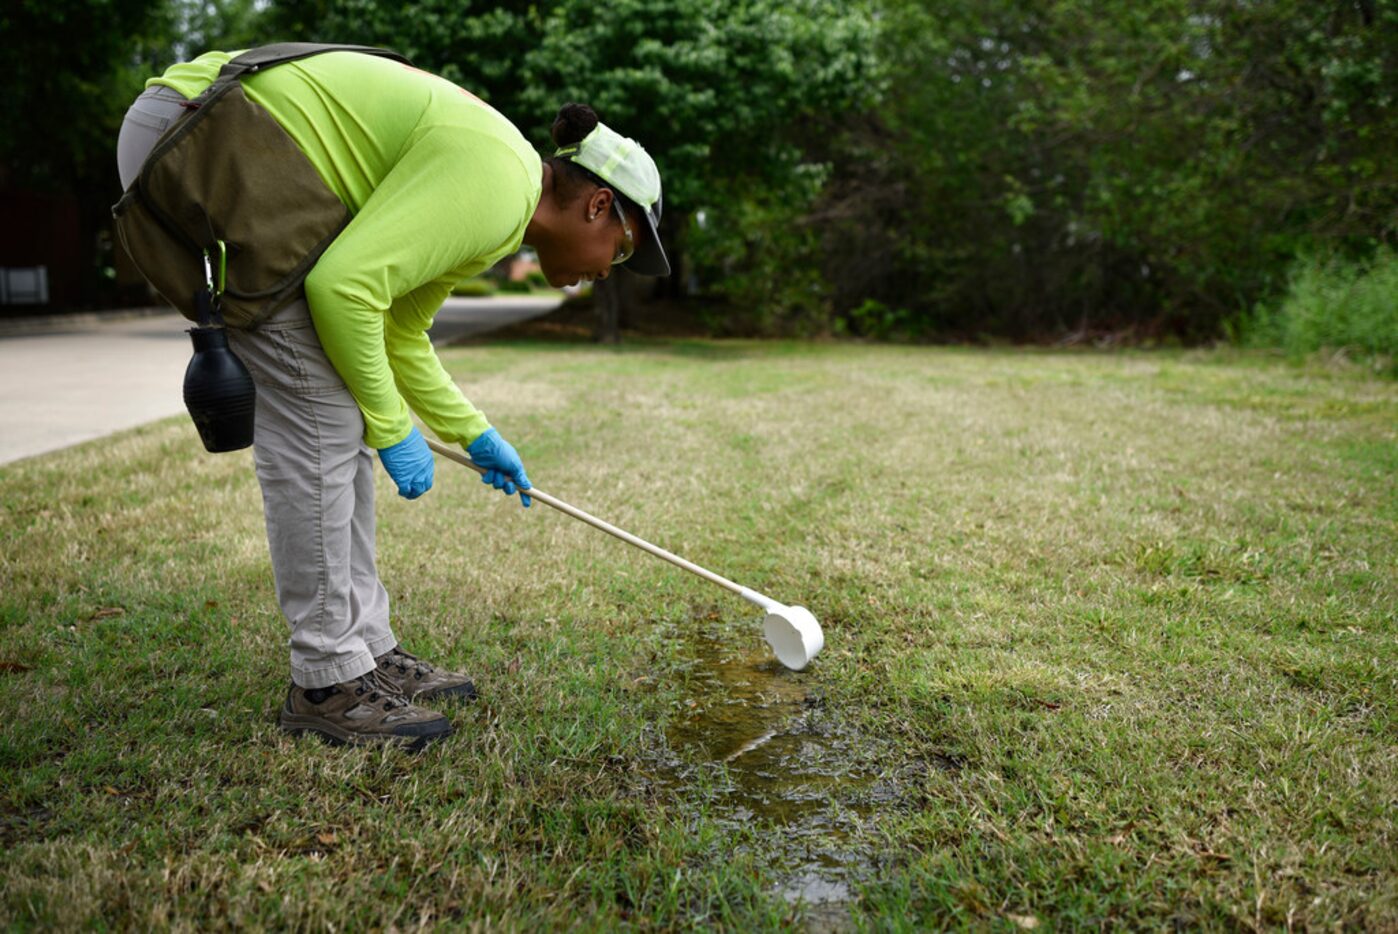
x: 1335, y: 305
x: 474, y: 288
x: 872, y: 318
x: 756, y: 249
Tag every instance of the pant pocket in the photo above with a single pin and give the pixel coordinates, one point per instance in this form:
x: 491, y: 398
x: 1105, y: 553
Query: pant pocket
x: 289, y: 360
x: 304, y: 360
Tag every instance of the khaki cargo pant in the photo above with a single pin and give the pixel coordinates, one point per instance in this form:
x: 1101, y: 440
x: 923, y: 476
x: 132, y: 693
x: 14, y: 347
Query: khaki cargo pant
x: 316, y: 474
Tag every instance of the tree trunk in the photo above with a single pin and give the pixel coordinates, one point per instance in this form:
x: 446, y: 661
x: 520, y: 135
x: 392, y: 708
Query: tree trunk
x: 606, y: 295
x: 676, y: 286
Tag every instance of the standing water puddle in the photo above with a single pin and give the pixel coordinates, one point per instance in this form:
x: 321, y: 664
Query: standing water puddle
x: 772, y: 760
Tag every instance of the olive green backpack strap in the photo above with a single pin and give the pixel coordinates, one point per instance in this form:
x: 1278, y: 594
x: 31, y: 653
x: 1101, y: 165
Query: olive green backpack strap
x: 279, y: 53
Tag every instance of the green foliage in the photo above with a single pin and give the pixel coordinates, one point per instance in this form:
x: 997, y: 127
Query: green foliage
x: 220, y: 24
x: 1335, y: 305
x: 757, y: 250
x: 1087, y: 166
x: 875, y: 319
x: 719, y: 92
x: 478, y: 287
x: 1082, y: 167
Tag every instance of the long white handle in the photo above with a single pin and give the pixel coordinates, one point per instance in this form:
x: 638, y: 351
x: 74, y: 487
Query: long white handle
x: 751, y: 596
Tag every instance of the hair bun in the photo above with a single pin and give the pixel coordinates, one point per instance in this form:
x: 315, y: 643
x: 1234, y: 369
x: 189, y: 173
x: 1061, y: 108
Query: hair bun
x: 573, y: 123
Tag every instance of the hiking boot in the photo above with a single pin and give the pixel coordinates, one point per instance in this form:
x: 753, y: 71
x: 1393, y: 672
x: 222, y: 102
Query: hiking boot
x: 420, y: 679
x: 369, y: 709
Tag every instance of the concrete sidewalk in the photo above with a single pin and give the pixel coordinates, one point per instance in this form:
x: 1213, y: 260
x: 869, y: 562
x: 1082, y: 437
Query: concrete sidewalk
x: 68, y: 380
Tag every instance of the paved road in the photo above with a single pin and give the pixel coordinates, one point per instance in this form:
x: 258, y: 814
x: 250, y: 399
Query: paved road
x: 467, y: 317
x: 89, y: 377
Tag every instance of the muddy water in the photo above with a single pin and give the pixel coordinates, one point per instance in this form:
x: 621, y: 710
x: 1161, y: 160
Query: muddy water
x: 758, y: 738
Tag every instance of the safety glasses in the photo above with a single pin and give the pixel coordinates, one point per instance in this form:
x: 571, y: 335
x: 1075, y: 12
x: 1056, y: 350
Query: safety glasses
x: 628, y: 241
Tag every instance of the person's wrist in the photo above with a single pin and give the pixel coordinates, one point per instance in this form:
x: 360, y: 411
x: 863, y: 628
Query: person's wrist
x: 482, y: 440
x: 472, y: 437
x: 406, y: 440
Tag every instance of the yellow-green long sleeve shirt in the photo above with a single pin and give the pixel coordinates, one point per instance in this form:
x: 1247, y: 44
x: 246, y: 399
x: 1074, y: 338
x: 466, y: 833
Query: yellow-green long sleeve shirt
x: 440, y: 187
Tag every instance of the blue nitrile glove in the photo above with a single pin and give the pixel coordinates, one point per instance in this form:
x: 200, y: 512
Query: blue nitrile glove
x: 503, y: 468
x: 409, y: 463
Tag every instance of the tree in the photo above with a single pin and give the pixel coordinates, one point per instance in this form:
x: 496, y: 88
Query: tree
x: 1087, y: 166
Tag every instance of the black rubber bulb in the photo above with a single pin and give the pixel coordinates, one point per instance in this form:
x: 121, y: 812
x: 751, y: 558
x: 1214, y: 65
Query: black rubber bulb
x: 219, y: 392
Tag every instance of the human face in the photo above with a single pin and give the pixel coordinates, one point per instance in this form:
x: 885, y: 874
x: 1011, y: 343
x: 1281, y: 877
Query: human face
x: 594, y: 234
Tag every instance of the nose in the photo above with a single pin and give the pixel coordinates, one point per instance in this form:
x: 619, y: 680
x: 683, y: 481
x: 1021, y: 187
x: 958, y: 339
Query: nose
x: 604, y: 273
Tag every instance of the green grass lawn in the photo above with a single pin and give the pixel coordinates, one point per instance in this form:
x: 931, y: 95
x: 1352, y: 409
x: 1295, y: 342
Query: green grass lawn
x: 1110, y: 641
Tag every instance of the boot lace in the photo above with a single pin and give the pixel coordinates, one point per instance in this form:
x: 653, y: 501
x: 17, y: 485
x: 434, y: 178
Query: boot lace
x: 377, y: 686
x: 405, y: 660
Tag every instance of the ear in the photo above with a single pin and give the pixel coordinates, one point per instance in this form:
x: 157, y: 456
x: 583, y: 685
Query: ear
x: 599, y: 204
